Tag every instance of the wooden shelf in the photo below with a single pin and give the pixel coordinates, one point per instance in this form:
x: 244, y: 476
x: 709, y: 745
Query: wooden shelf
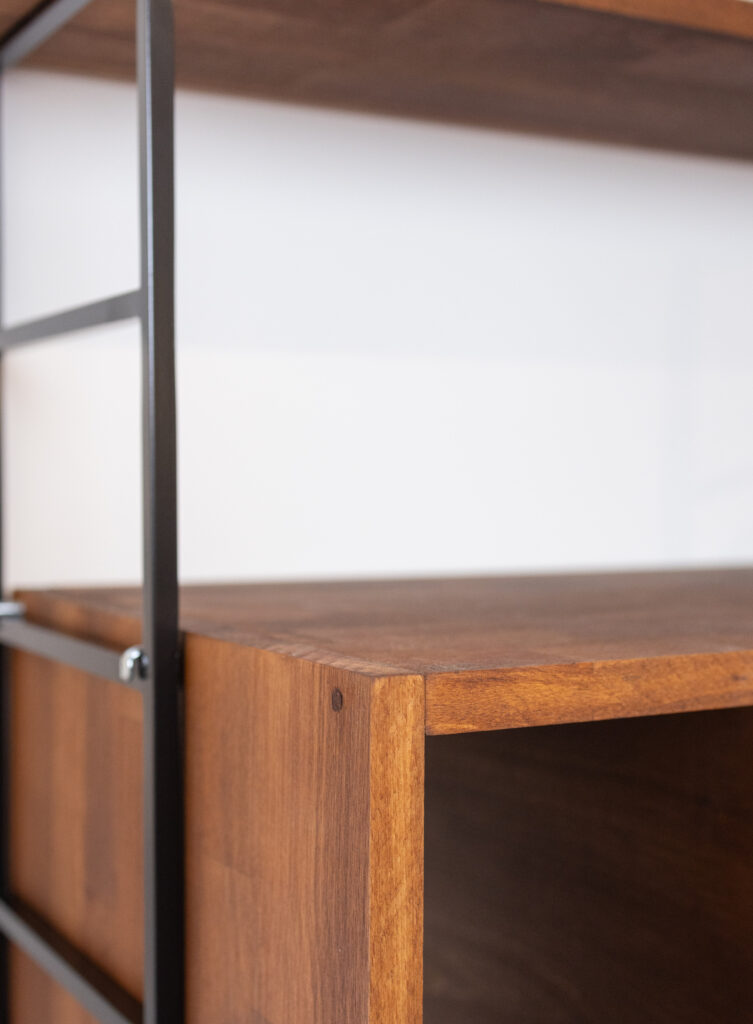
x: 493, y: 653
x: 658, y: 73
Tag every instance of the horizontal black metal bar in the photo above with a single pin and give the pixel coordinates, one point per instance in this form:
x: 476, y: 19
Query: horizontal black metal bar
x: 96, y: 991
x: 106, y: 311
x: 49, y: 643
x: 36, y: 28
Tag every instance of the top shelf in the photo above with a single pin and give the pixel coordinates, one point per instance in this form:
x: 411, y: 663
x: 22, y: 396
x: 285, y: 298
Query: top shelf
x: 672, y: 74
x: 494, y: 652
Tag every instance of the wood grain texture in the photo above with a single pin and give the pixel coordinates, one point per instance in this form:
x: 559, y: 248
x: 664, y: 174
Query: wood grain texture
x: 300, y: 906
x: 586, y: 692
x: 303, y: 831
x: 76, y: 829
x: 731, y: 17
x: 495, y: 652
x: 277, y: 839
x: 565, y: 70
x: 591, y: 873
x: 397, y: 853
x: 35, y: 998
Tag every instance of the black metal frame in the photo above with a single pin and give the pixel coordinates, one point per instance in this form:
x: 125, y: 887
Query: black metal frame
x: 154, y: 668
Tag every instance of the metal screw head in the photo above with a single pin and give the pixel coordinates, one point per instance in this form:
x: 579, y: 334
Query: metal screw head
x: 133, y: 664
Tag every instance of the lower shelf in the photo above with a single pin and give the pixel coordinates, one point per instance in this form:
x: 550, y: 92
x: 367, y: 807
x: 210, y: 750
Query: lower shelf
x: 592, y: 872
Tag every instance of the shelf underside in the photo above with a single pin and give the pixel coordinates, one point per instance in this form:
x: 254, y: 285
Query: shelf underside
x: 524, y: 65
x: 495, y: 652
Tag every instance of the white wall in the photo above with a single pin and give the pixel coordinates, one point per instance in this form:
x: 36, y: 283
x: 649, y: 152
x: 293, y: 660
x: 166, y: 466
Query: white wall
x: 403, y: 348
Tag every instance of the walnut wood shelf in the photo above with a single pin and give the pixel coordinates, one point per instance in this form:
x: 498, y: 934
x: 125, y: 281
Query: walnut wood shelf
x: 671, y: 74
x: 571, y: 872
x: 494, y: 652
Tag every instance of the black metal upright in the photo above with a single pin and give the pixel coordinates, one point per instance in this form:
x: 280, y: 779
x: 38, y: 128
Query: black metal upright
x: 155, y: 666
x: 163, y: 808
x: 5, y: 709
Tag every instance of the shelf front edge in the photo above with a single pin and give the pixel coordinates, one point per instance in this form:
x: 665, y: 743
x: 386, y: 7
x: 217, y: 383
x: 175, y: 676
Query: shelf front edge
x: 475, y: 701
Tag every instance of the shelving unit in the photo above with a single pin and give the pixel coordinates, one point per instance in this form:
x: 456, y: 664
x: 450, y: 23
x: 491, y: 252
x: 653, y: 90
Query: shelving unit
x: 583, y: 851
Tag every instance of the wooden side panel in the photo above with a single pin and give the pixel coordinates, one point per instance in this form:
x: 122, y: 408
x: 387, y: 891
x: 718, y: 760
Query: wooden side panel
x: 76, y: 840
x: 599, y: 872
x: 277, y: 797
x: 303, y: 841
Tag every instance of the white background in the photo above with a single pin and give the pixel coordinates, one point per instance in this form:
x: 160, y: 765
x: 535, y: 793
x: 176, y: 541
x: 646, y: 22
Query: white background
x: 402, y: 348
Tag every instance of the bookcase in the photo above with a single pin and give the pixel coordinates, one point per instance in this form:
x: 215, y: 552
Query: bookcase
x: 499, y: 800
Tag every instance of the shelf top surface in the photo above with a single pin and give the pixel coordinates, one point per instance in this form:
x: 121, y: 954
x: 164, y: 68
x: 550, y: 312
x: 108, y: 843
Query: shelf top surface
x: 495, y: 652
x: 479, y: 624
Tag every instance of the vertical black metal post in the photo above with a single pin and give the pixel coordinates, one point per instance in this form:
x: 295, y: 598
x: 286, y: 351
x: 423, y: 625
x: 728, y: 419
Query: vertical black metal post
x: 5, y: 726
x: 163, y: 805
x: 5, y: 709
